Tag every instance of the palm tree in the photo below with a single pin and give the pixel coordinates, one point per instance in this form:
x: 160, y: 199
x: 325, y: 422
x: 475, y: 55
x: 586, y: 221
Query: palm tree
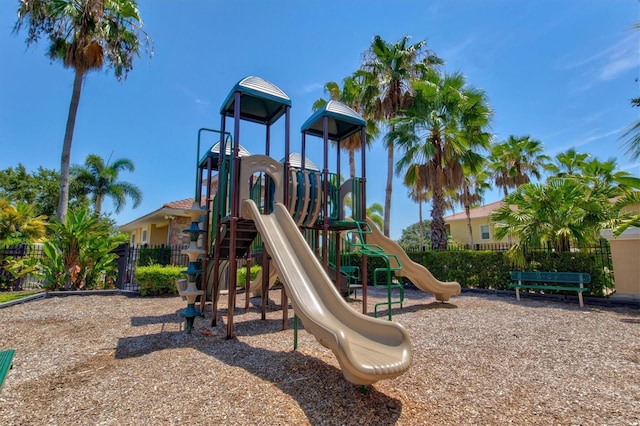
x: 20, y: 223
x: 417, y: 194
x: 632, y: 142
x: 515, y: 160
x: 101, y: 180
x: 350, y: 94
x: 625, y: 218
x: 387, y: 70
x: 602, y: 177
x: 374, y: 212
x: 632, y: 133
x: 444, y: 126
x: 560, y: 213
x: 470, y: 194
x: 569, y: 162
x: 84, y: 35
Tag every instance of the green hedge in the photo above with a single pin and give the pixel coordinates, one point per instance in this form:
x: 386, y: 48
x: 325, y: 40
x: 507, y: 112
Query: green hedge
x: 491, y: 269
x: 158, y: 280
x: 472, y: 269
x: 242, y: 274
x: 155, y: 280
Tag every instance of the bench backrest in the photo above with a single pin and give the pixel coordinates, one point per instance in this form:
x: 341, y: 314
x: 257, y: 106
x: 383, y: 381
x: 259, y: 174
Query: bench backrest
x: 551, y: 277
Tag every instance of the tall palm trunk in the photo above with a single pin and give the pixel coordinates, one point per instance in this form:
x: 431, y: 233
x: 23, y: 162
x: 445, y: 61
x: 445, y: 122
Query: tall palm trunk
x: 98, y: 206
x: 506, y: 193
x: 438, y: 233
x: 467, y: 212
x: 63, y: 202
x: 438, y: 229
x: 421, y: 226
x: 352, y: 163
x: 387, y: 197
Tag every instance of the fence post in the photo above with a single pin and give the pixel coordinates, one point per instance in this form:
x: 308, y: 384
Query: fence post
x: 122, y: 250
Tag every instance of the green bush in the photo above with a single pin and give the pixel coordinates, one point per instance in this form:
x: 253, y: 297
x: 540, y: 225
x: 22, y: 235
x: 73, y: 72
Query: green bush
x: 158, y: 280
x: 242, y: 275
x: 79, y: 255
x: 472, y: 269
x: 491, y: 269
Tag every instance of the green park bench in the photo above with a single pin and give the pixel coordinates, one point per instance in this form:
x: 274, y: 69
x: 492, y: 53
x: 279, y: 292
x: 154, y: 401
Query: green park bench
x: 552, y: 281
x: 6, y: 358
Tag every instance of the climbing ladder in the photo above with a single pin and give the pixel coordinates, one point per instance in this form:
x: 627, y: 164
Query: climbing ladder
x: 391, y: 264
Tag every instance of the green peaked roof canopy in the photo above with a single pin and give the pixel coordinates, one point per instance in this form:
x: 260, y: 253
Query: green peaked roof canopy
x: 261, y: 101
x: 295, y: 160
x: 343, y: 121
x: 214, y: 153
x: 243, y: 152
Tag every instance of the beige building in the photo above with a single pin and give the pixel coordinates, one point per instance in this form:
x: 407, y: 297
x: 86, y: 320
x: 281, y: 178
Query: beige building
x: 161, y: 226
x: 480, y: 224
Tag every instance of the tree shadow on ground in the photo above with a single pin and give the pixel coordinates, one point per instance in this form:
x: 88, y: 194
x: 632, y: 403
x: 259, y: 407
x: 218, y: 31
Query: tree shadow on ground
x: 318, y: 388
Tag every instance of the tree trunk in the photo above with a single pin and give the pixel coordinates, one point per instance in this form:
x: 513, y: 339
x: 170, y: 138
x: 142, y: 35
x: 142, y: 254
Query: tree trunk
x: 98, y: 205
x: 63, y: 201
x: 467, y: 212
x: 505, y: 196
x: 421, y: 226
x: 387, y: 198
x: 352, y: 164
x: 438, y: 228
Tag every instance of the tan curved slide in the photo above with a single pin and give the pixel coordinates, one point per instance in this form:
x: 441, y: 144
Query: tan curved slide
x: 255, y: 286
x: 415, y: 272
x: 368, y: 349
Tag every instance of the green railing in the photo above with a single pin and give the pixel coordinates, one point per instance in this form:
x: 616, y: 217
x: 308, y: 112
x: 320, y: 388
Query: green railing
x: 391, y: 264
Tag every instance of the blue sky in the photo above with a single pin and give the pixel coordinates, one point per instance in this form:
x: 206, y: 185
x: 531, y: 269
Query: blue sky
x: 560, y: 71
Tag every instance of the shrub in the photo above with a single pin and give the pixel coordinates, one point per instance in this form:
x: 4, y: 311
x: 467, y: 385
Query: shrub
x: 158, y: 280
x: 491, y: 269
x: 242, y: 275
x: 472, y: 269
x: 79, y: 254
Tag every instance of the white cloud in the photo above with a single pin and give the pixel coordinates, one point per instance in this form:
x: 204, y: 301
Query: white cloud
x: 311, y: 87
x: 585, y: 141
x: 622, y: 56
x: 607, y: 64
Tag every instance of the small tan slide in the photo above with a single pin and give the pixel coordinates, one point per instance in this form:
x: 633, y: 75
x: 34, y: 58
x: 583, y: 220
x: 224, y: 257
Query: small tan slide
x: 255, y: 286
x: 367, y: 349
x: 416, y: 273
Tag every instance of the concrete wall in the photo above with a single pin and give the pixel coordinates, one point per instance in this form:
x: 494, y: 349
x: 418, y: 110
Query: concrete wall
x: 459, y: 231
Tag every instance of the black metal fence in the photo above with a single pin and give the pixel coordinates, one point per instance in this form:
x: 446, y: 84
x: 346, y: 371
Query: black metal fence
x: 27, y: 282
x: 130, y: 257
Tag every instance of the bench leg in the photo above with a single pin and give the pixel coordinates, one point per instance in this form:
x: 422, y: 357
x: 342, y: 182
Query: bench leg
x: 581, y: 300
x: 517, y: 294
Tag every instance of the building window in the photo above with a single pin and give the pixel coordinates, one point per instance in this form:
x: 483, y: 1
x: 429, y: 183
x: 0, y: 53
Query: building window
x: 133, y: 239
x: 484, y: 232
x: 145, y: 234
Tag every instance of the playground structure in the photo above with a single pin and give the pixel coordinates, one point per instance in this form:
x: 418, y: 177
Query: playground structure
x: 294, y: 211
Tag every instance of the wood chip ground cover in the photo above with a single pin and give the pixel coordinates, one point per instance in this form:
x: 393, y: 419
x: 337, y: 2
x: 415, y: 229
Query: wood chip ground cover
x: 479, y: 360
